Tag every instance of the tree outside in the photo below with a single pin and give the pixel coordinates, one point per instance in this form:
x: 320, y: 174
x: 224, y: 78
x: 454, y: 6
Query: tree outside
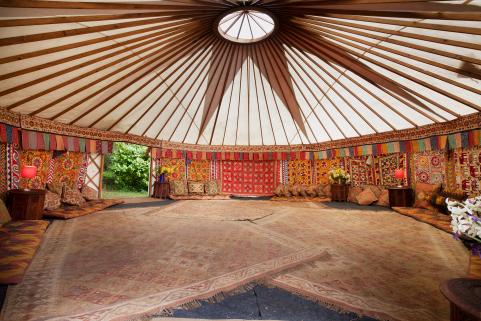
x: 126, y: 172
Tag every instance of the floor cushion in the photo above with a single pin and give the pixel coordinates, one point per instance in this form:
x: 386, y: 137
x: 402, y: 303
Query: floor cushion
x: 217, y: 197
x: 196, y: 188
x: 377, y: 190
x: 89, y: 193
x: 366, y: 197
x: 4, y: 215
x: 311, y: 191
x: 324, y: 190
x: 383, y: 199
x: 56, y: 188
x: 279, y: 190
x: 423, y: 195
x: 212, y: 188
x: 19, y: 243
x: 178, y: 187
x: 72, y: 196
x: 294, y: 190
x: 52, y: 200
x: 353, y: 193
x: 68, y: 212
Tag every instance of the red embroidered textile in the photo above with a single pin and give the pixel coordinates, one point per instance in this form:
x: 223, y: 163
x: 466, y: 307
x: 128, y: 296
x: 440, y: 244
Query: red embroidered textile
x: 248, y: 177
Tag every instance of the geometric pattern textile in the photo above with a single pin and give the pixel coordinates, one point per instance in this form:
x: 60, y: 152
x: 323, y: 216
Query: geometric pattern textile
x: 361, y: 173
x: 323, y: 166
x: 198, y: 170
x: 3, y: 170
x: 300, y: 172
x: 248, y: 177
x: 178, y: 166
x: 41, y: 160
x: 468, y: 170
x: 13, y: 168
x: 67, y: 168
x: 386, y: 167
x: 429, y: 167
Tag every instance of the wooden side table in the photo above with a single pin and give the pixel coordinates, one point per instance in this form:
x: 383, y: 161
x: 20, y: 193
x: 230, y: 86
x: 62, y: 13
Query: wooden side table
x: 26, y: 204
x: 464, y: 296
x: 339, y: 192
x: 400, y: 196
x: 161, y: 190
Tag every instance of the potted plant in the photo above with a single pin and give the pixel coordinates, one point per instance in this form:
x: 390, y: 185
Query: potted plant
x: 163, y: 172
x: 339, y: 180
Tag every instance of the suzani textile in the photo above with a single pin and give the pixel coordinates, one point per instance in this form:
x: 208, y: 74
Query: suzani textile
x: 198, y: 170
x: 39, y: 159
x: 429, y: 167
x: 248, y: 177
x: 67, y: 167
x: 361, y: 170
x: 385, y: 167
x: 468, y: 170
x: 322, y: 168
x: 178, y: 165
x: 300, y: 172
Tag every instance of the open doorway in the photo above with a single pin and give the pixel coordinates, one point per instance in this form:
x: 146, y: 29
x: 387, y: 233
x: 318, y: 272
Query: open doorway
x: 126, y: 172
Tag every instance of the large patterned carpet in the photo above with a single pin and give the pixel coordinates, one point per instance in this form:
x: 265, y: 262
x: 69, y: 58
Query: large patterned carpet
x: 130, y: 263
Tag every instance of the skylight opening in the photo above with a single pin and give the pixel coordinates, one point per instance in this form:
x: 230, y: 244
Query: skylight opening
x: 246, y: 26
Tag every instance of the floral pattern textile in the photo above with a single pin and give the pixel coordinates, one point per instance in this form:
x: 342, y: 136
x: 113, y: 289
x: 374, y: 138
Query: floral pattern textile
x: 468, y: 170
x: 67, y: 168
x: 178, y: 165
x: 300, y: 172
x: 429, y: 167
x: 52, y: 201
x: 199, y: 170
x: 39, y: 159
x: 322, y: 168
x: 362, y: 173
x: 248, y: 177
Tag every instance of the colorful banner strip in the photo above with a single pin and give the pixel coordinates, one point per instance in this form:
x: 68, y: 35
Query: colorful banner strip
x: 9, y: 134
x: 464, y: 139
x: 44, y: 141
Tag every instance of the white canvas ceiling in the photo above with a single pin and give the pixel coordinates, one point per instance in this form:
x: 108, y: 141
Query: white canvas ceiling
x: 330, y: 70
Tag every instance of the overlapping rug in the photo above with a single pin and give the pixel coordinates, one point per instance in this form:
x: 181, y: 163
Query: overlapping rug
x: 115, y: 265
x: 119, y: 265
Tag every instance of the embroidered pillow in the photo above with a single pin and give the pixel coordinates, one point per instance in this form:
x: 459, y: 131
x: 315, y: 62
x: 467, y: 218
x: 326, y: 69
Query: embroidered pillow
x: 366, y: 197
x: 196, y: 188
x: 178, y: 187
x: 423, y: 195
x: 89, y: 193
x: 52, y: 201
x: 383, y: 199
x: 377, y: 190
x: 279, y: 191
x: 285, y: 191
x: 4, y: 215
x: 294, y: 190
x: 324, y: 190
x: 72, y: 196
x: 212, y: 188
x: 302, y: 191
x: 353, y: 193
x: 311, y: 191
x: 56, y: 188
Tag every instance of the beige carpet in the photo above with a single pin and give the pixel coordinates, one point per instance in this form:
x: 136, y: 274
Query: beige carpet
x: 379, y: 264
x: 115, y: 265
x: 118, y: 265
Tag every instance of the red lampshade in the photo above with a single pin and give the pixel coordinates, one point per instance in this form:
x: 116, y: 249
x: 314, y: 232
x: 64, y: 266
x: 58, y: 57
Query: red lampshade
x: 399, y: 173
x: 28, y: 172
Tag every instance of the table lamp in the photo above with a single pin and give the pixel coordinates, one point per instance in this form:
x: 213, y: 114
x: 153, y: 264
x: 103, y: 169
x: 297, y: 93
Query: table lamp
x: 399, y: 174
x: 28, y: 172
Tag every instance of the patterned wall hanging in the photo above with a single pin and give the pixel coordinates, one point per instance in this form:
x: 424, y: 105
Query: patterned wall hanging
x: 13, y: 166
x: 178, y: 164
x: 429, y: 167
x: 322, y: 168
x: 300, y: 172
x: 361, y: 173
x: 3, y: 171
x: 468, y: 170
x: 198, y: 170
x: 385, y: 167
x: 41, y: 160
x: 67, y: 166
x: 248, y: 177
x: 214, y: 170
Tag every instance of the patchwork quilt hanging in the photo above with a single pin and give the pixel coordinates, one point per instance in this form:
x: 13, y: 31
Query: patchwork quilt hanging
x: 248, y: 177
x: 198, y: 170
x: 429, y: 167
x: 300, y: 172
x: 322, y: 168
x: 385, y: 167
x: 468, y: 170
x: 361, y: 170
x: 40, y: 159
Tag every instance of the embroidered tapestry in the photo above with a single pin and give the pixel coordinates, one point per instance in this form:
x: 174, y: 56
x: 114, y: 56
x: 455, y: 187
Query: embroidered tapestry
x: 3, y: 170
x: 468, y: 170
x: 248, y: 177
x: 178, y: 165
x: 13, y: 166
x: 361, y: 169
x: 322, y: 168
x: 300, y: 172
x: 385, y: 169
x: 429, y: 167
x: 198, y: 170
x: 67, y: 167
x: 39, y: 159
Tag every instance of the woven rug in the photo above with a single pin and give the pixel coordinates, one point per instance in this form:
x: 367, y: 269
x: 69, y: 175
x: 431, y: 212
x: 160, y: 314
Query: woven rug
x: 378, y: 264
x: 117, y: 265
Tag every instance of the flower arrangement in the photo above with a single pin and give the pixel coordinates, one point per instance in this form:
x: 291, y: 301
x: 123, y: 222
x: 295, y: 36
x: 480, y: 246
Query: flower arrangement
x: 339, y: 176
x: 163, y: 172
x: 466, y: 221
